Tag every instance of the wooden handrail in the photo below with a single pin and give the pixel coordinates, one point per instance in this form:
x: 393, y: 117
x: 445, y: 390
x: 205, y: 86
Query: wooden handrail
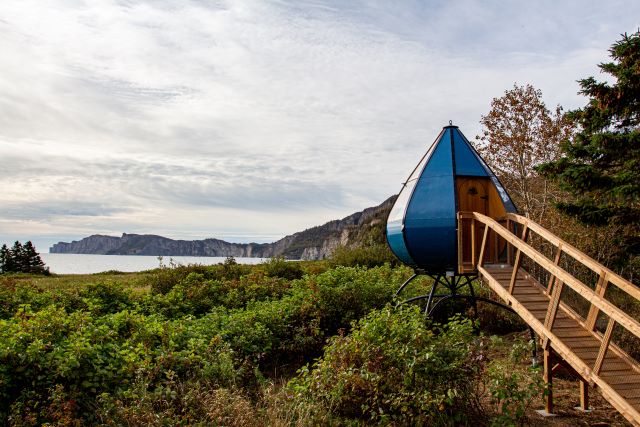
x: 583, y: 290
x: 578, y: 255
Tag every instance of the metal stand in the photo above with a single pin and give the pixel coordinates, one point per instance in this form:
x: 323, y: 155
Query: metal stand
x: 454, y: 284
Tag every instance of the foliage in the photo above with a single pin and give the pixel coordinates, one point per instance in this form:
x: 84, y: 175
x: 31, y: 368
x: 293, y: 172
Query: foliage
x: 600, y: 166
x: 366, y: 256
x: 513, y: 386
x: 111, y: 351
x: 279, y: 267
x: 65, y: 352
x: 520, y: 133
x: 21, y: 259
x: 393, y: 369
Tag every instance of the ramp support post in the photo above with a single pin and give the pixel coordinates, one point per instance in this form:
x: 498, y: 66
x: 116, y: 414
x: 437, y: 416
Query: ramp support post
x: 584, y: 395
x: 548, y: 379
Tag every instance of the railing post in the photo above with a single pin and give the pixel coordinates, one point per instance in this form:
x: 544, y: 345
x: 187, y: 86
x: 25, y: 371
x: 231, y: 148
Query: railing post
x: 553, y: 305
x: 601, y: 288
x: 556, y: 261
x: 509, y: 247
x: 548, y: 379
x: 460, y: 227
x: 518, y: 261
x: 473, y: 243
x: 584, y: 395
x: 606, y: 339
x: 483, y: 244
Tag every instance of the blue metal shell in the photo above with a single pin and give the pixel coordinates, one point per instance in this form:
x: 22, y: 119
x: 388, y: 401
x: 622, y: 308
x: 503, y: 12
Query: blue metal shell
x: 421, y: 228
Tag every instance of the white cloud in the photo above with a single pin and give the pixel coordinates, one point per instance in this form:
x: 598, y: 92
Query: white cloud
x: 256, y: 119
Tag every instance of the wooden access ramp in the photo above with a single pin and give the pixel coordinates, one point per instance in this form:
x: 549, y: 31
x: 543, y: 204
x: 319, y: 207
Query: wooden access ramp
x: 532, y: 284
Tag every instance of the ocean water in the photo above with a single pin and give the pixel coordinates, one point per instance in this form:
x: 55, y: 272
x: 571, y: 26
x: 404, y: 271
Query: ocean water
x: 88, y: 264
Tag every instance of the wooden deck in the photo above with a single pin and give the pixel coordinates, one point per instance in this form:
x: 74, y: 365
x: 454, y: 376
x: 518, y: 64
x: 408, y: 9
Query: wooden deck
x: 566, y: 337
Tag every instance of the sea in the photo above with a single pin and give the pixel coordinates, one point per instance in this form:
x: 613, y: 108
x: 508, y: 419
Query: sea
x: 89, y: 264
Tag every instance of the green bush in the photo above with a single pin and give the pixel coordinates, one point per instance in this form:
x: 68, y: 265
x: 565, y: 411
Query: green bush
x: 366, y: 256
x: 279, y: 267
x: 393, y: 369
x: 514, y: 386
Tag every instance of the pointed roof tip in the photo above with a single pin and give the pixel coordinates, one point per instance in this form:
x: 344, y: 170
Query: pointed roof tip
x: 451, y: 125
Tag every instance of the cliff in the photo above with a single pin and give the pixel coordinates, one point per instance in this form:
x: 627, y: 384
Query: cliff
x: 314, y: 243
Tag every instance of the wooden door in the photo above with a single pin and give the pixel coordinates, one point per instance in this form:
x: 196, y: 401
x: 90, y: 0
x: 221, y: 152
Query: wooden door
x: 473, y: 196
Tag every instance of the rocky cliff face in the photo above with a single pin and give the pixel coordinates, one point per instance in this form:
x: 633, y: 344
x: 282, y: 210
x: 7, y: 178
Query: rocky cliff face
x: 314, y: 243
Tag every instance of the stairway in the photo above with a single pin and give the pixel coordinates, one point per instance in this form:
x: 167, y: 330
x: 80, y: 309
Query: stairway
x: 568, y: 339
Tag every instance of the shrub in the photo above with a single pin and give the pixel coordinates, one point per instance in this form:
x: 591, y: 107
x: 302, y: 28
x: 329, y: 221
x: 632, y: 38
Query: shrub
x: 366, y: 256
x: 278, y: 267
x: 513, y: 386
x: 393, y: 369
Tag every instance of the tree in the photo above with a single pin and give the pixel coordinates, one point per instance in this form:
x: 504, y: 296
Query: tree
x: 6, y: 261
x: 21, y: 259
x: 17, y: 257
x: 32, y: 261
x: 600, y: 165
x: 520, y: 133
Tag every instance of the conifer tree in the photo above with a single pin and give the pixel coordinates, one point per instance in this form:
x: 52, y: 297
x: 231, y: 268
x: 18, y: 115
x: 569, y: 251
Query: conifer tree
x: 600, y: 165
x: 17, y: 257
x: 33, y: 262
x: 21, y: 259
x: 6, y: 261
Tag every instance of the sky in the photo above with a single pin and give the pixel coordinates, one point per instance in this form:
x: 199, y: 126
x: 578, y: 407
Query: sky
x: 250, y: 120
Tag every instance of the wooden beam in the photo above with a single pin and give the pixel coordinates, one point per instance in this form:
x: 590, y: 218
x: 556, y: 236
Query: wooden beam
x: 482, y: 245
x: 548, y: 380
x: 606, y: 339
x: 584, y: 395
x: 473, y: 242
x: 552, y: 310
x: 556, y: 261
x: 518, y: 261
x: 601, y: 288
x: 459, y: 233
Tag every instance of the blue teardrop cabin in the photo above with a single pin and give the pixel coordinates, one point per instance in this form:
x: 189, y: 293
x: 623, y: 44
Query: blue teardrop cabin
x: 422, y: 227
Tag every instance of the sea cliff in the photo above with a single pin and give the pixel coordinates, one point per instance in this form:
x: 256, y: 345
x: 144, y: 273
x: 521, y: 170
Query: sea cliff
x: 313, y: 243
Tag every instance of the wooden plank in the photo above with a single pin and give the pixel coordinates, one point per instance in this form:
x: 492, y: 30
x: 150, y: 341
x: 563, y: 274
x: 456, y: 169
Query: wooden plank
x: 532, y: 298
x: 616, y: 380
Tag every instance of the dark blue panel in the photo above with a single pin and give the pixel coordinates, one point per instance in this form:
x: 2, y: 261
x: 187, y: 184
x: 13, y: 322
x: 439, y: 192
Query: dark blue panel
x: 432, y: 243
x: 468, y: 163
x: 395, y: 239
x: 430, y: 221
x: 440, y: 162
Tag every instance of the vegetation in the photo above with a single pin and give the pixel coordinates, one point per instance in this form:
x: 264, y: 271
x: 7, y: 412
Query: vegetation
x: 520, y: 133
x: 599, y: 167
x: 21, y: 259
x: 222, y: 344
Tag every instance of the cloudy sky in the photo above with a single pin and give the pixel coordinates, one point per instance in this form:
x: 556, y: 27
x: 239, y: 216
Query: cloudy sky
x: 250, y: 120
